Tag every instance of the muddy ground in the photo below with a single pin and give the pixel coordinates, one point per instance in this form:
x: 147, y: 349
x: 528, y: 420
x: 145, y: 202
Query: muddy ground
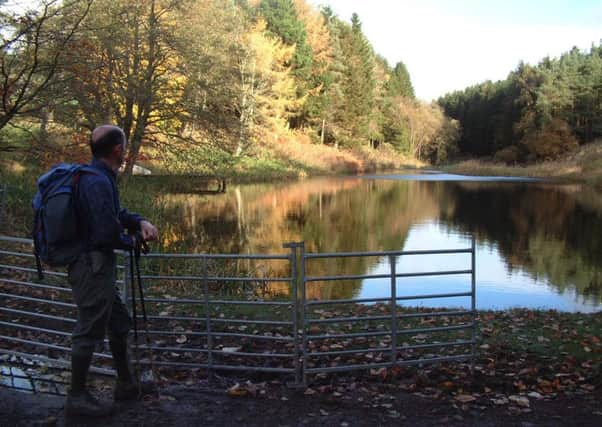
x: 189, y: 406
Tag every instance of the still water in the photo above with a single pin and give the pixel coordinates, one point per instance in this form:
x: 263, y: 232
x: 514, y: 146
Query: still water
x: 539, y: 244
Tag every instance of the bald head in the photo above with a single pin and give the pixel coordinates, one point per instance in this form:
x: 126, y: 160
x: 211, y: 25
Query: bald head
x: 105, y: 138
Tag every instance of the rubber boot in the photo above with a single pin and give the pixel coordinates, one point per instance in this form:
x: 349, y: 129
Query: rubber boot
x: 125, y: 387
x: 79, y: 401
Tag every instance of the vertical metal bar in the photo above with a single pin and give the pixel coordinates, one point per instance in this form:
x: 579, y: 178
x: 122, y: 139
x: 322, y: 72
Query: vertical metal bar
x: 295, y: 310
x: 208, y: 321
x: 393, y: 267
x: 303, y: 312
x: 3, y: 191
x: 473, y: 304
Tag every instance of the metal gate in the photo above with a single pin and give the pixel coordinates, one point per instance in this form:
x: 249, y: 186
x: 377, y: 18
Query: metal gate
x: 242, y: 312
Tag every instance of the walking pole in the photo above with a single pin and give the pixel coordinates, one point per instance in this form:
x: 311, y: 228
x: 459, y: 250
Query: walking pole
x: 135, y: 317
x: 142, y: 247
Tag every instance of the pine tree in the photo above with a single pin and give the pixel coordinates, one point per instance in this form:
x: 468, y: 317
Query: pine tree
x: 399, y: 83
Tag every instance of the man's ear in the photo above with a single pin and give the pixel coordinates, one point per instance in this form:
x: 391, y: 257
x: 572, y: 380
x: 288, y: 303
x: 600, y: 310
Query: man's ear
x: 119, y: 150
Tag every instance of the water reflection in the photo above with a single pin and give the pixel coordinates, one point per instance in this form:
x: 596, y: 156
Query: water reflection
x: 538, y: 244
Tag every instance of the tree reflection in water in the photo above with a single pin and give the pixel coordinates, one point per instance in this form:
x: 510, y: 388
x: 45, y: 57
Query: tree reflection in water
x: 550, y: 232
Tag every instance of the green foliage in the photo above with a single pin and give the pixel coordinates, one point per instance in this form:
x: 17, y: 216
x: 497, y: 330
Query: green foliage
x: 196, y: 85
x: 400, y: 84
x: 542, y: 108
x: 282, y: 22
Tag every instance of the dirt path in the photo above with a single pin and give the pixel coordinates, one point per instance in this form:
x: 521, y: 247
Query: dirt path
x: 186, y: 406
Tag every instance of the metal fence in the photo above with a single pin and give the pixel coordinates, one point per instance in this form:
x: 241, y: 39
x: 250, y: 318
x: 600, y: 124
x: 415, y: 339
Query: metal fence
x: 240, y: 312
x: 3, y: 197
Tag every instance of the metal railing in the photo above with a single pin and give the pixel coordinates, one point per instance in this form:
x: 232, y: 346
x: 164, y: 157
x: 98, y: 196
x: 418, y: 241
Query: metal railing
x: 239, y: 312
x: 392, y: 354
x: 3, y: 197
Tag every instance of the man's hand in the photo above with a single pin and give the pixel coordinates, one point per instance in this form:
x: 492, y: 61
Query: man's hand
x: 149, y: 231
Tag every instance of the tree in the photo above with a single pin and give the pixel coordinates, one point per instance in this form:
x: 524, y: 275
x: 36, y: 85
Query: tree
x: 357, y: 81
x: 282, y: 21
x: 126, y: 69
x: 267, y: 89
x: 537, y: 112
x: 432, y: 136
x: 33, y: 55
x: 399, y: 83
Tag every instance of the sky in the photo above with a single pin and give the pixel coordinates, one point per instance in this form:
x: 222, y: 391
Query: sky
x: 451, y: 44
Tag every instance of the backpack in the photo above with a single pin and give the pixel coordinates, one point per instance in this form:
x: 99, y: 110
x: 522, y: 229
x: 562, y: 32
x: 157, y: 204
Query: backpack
x: 55, y: 227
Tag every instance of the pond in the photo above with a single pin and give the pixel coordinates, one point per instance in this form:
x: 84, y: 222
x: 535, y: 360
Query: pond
x: 538, y: 243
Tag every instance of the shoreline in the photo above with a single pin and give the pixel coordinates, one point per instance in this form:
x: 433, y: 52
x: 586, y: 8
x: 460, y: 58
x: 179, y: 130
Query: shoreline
x: 581, y: 167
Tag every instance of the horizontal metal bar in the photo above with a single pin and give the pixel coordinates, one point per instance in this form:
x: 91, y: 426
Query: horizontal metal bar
x: 347, y: 319
x: 32, y: 270
x: 346, y: 301
x: 425, y: 361
x: 35, y: 328
x: 43, y: 301
x: 263, y: 337
x: 19, y: 254
x: 434, y: 330
x: 386, y: 253
x: 399, y: 316
x: 217, y: 278
x: 46, y: 345
x: 353, y: 351
x: 34, y: 314
x: 222, y: 334
x: 221, y: 320
x: 435, y: 314
x: 401, y: 298
x: 214, y: 302
x: 346, y: 277
x: 352, y: 335
x: 388, y: 349
x: 433, y: 273
x: 216, y: 256
x: 233, y: 302
x: 214, y: 351
x: 436, y: 344
x: 16, y: 240
x: 56, y: 362
x: 384, y: 276
x: 430, y: 296
x: 383, y: 333
x: 218, y: 367
x: 171, y: 301
x: 35, y: 285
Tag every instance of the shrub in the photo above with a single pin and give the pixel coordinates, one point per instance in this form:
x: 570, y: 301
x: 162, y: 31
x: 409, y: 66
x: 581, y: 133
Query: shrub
x: 553, y: 140
x: 508, y: 155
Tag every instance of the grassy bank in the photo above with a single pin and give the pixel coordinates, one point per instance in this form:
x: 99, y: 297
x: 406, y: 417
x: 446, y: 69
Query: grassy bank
x: 288, y: 160
x: 583, y: 166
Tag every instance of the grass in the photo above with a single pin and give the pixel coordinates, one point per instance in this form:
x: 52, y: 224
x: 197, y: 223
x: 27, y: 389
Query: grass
x: 583, y: 166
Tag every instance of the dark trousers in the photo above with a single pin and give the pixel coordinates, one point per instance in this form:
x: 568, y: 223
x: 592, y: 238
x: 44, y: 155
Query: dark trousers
x: 99, y: 308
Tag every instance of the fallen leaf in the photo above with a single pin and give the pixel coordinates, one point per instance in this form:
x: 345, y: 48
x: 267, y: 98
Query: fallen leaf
x: 465, y: 398
x: 520, y: 401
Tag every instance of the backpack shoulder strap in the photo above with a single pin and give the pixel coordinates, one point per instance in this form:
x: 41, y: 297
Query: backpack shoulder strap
x: 88, y: 169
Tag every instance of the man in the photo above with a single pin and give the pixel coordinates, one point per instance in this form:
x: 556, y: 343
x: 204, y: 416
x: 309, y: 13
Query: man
x: 101, y: 224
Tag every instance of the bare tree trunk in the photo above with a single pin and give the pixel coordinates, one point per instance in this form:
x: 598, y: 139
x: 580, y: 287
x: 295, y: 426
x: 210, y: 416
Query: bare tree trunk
x: 323, y: 130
